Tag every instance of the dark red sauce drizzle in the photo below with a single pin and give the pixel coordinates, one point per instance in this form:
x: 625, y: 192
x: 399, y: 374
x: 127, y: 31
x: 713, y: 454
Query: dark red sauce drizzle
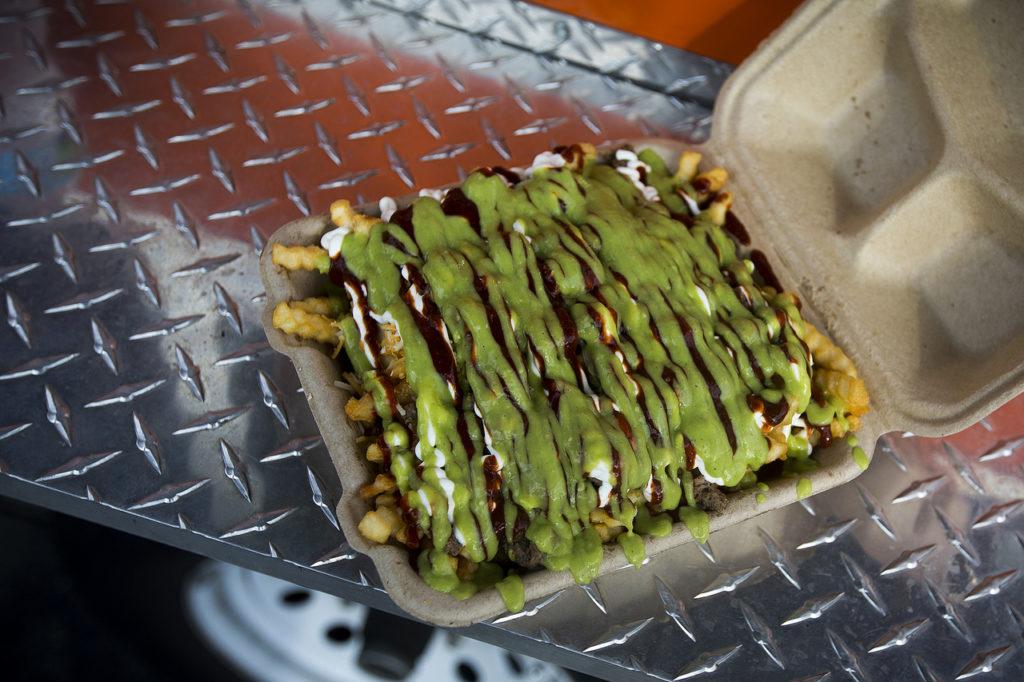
x: 495, y: 504
x: 410, y: 515
x: 773, y: 413
x: 429, y: 323
x: 825, y: 435
x: 512, y: 177
x: 340, y: 276
x: 657, y: 494
x: 385, y: 453
x: 403, y: 218
x: 713, y: 388
x: 764, y: 268
x: 625, y: 428
x: 691, y: 453
x: 652, y: 428
x: 617, y: 462
x: 389, y: 391
x: 456, y: 203
x: 570, y: 336
x: 393, y: 241
x: 553, y: 393
x: 734, y: 227
x: 493, y: 323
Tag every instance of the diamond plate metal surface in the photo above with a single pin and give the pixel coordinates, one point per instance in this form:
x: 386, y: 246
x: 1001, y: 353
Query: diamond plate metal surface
x: 148, y: 149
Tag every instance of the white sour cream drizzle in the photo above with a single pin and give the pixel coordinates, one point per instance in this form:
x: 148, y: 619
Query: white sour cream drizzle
x: 649, y: 489
x: 439, y: 459
x: 759, y: 419
x: 359, y: 315
x: 625, y: 370
x: 452, y: 388
x: 448, y: 486
x: 331, y: 241
x: 602, y: 474
x: 417, y: 303
x: 545, y: 160
x: 386, y: 318
x: 425, y: 501
x: 798, y: 421
x: 702, y: 295
x: 521, y: 229
x: 632, y: 172
x: 437, y: 194
x: 414, y: 291
x: 586, y: 384
x: 534, y: 365
x: 690, y: 203
x: 700, y: 465
x: 488, y: 441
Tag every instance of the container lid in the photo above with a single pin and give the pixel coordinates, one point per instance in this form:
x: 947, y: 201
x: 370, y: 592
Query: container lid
x: 877, y: 149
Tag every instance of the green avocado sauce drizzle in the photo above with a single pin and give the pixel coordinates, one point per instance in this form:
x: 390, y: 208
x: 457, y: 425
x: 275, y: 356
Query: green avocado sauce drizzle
x: 804, y: 488
x: 860, y: 458
x: 762, y: 488
x: 567, y: 343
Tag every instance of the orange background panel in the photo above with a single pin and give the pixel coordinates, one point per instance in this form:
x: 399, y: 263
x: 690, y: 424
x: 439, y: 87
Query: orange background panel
x: 728, y: 30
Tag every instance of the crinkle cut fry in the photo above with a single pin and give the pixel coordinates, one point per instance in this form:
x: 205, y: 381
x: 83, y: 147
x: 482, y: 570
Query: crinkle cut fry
x: 313, y: 258
x: 343, y: 215
x: 688, y: 163
x: 825, y: 353
x: 291, y: 318
x: 850, y: 390
x: 319, y: 305
x: 719, y: 206
x: 834, y: 373
x: 710, y: 182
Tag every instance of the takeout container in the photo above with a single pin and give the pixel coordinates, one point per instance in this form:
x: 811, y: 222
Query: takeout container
x: 875, y: 156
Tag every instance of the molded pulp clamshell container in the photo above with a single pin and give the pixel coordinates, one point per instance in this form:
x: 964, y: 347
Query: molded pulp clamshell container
x: 876, y: 155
